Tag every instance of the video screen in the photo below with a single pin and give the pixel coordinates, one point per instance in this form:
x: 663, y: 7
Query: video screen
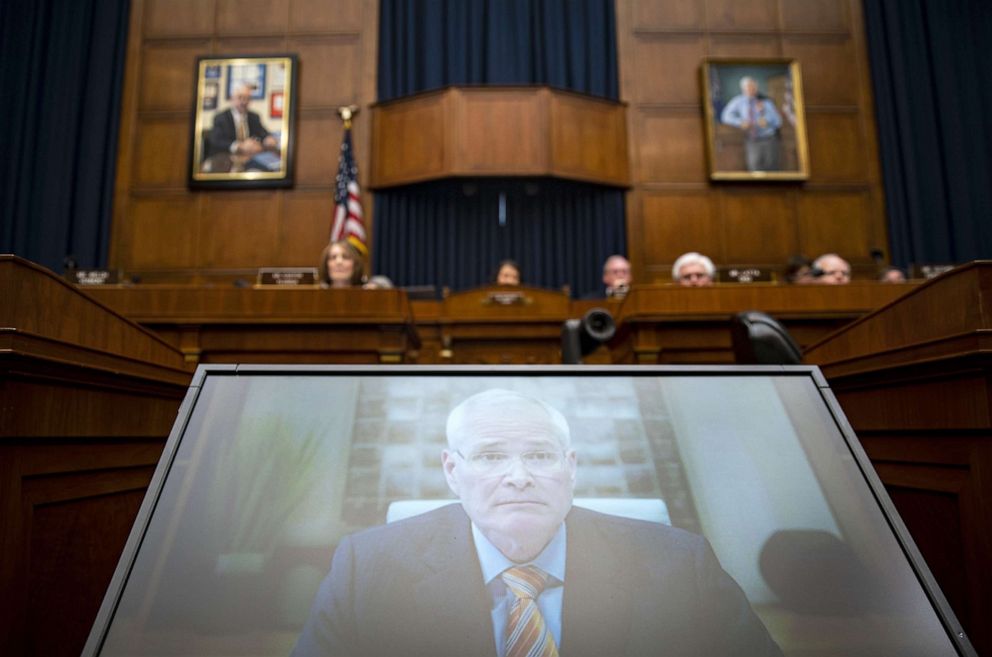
x: 370, y: 512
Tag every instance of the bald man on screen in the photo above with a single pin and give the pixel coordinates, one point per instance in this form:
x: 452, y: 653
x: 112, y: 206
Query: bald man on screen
x: 515, y: 569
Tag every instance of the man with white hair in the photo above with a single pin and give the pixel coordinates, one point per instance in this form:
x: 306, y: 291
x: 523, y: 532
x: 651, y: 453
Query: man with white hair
x: 515, y: 569
x: 756, y: 116
x: 237, y: 130
x: 831, y: 269
x: 693, y: 270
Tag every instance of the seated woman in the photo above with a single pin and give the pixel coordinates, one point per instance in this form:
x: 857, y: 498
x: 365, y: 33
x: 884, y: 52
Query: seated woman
x: 508, y: 273
x: 341, y: 265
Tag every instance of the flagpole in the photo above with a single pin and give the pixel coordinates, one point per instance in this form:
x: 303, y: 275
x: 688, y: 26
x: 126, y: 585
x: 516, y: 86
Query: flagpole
x: 348, y: 222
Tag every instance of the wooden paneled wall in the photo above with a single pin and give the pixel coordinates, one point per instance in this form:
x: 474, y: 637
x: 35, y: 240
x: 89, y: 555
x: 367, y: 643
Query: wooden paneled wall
x: 674, y: 208
x: 164, y: 231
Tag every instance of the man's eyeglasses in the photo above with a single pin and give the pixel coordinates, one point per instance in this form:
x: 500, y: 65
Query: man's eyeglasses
x: 491, y: 464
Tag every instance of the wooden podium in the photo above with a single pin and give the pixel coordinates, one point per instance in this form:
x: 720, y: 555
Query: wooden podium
x: 501, y: 325
x: 499, y: 131
x: 88, y: 399
x: 915, y: 380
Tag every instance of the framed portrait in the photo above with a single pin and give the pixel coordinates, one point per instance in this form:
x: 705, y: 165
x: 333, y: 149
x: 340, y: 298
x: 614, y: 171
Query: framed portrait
x: 755, y: 119
x: 243, y: 131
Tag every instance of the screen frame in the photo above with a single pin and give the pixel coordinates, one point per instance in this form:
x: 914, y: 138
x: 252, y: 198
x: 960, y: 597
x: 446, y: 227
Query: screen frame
x: 115, y: 589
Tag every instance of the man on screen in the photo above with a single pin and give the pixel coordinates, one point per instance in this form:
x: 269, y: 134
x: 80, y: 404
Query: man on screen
x: 515, y: 569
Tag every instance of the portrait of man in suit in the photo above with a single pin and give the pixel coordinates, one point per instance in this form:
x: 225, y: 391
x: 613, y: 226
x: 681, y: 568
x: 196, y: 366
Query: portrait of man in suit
x: 514, y: 568
x: 237, y: 130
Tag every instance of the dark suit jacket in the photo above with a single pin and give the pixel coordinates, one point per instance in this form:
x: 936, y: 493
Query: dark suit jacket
x: 631, y: 588
x: 223, y: 133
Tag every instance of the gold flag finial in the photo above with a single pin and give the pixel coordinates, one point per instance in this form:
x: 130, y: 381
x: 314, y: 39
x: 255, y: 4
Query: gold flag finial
x: 346, y: 112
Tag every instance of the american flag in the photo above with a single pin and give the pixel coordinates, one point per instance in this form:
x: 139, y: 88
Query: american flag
x: 348, y: 222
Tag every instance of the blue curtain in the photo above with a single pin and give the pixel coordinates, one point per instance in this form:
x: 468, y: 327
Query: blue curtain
x: 450, y: 233
x: 427, y: 44
x: 61, y: 72
x: 435, y: 234
x: 932, y: 76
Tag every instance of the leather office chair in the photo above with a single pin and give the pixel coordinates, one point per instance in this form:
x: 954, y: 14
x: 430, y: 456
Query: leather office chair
x: 815, y: 572
x: 759, y: 339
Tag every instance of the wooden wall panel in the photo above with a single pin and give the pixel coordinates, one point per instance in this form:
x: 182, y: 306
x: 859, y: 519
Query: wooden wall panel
x: 737, y: 46
x: 252, y: 16
x: 162, y: 230
x: 304, y: 229
x: 662, y: 44
x: 330, y: 78
x: 834, y: 221
x: 161, y: 152
x: 815, y: 15
x: 757, y: 227
x: 234, y: 229
x: 676, y: 222
x: 835, y: 146
x: 168, y: 74
x: 673, y: 14
x: 318, y: 138
x: 670, y: 152
x: 313, y: 16
x: 165, y: 18
x: 826, y: 64
x: 741, y: 14
x: 665, y: 68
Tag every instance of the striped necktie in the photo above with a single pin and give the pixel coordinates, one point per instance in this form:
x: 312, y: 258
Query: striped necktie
x: 242, y: 127
x: 527, y: 635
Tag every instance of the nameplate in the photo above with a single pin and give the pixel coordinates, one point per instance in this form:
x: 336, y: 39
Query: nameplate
x: 507, y: 299
x: 932, y: 271
x: 745, y: 275
x: 93, y: 277
x: 286, y: 276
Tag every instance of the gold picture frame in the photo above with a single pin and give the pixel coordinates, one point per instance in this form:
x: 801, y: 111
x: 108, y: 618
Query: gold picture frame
x: 755, y: 119
x: 243, y: 129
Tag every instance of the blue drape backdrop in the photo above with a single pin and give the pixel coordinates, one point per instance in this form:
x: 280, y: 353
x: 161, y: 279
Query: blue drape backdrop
x: 932, y: 75
x: 427, y: 44
x: 451, y: 232
x: 436, y: 234
x: 61, y: 72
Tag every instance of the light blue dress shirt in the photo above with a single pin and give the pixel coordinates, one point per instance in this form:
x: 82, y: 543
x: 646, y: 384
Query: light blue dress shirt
x: 551, y: 560
x: 742, y: 108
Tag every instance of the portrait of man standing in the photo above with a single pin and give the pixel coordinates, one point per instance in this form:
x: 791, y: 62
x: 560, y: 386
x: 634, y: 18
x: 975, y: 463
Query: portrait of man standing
x: 757, y: 118
x: 515, y: 569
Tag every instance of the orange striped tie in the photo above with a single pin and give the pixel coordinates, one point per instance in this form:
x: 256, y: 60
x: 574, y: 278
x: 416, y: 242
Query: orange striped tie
x: 527, y: 635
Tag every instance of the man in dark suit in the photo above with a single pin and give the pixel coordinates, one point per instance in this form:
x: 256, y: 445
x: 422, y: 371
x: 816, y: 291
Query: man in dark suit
x: 516, y: 570
x: 616, y: 279
x: 237, y: 130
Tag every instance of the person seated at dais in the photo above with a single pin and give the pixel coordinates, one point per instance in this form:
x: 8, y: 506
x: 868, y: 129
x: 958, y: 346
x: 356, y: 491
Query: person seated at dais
x: 693, y: 270
x: 892, y: 275
x: 508, y: 273
x: 341, y: 265
x: 831, y: 269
